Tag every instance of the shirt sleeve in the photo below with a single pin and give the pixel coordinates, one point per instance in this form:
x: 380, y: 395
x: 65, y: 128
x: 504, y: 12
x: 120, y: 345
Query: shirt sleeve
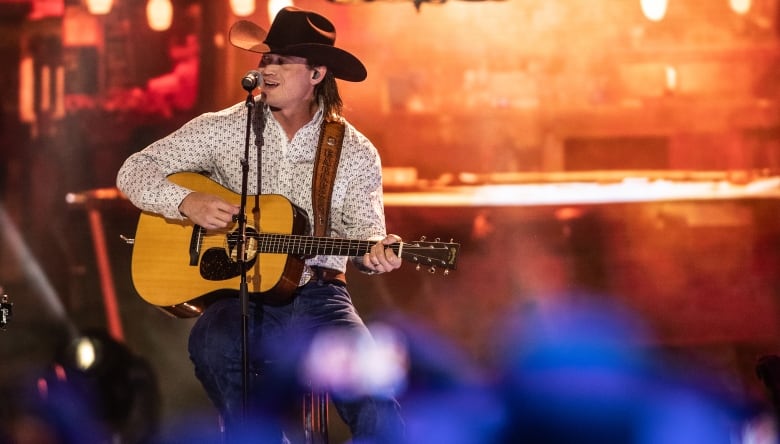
x: 364, y: 216
x: 143, y: 176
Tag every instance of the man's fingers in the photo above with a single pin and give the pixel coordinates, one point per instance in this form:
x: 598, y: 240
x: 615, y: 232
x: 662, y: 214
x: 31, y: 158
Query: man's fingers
x: 208, y: 210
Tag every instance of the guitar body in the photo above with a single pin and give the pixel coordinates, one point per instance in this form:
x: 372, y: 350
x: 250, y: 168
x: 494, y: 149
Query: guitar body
x: 168, y: 254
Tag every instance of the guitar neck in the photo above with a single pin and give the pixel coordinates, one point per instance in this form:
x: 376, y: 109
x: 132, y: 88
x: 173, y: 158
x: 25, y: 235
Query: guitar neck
x: 314, y: 246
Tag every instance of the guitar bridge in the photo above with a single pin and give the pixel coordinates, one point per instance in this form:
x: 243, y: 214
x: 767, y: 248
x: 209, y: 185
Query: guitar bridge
x: 196, y: 242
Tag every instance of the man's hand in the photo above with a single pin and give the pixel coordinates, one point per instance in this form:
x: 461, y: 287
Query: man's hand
x: 382, y: 259
x: 207, y: 210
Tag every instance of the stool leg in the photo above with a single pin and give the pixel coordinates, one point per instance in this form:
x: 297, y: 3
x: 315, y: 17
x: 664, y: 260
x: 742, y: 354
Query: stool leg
x: 322, y: 400
x: 315, y: 418
x: 222, y: 431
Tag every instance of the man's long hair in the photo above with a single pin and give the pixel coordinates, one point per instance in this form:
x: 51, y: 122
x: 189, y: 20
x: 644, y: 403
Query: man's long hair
x: 327, y: 93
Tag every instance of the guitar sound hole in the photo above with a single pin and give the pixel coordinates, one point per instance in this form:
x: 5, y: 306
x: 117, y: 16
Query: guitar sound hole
x: 251, y: 244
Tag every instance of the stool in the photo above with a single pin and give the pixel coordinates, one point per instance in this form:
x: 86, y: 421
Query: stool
x: 314, y: 416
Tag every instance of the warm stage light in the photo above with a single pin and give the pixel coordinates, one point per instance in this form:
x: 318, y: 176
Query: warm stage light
x: 275, y: 6
x: 99, y: 7
x: 45, y: 98
x: 242, y: 8
x: 27, y: 90
x: 86, y: 355
x: 159, y: 14
x: 740, y: 6
x: 654, y: 10
x: 671, y: 78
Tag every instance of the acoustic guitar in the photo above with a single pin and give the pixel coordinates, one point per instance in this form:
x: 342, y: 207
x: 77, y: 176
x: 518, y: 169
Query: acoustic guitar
x: 180, y: 267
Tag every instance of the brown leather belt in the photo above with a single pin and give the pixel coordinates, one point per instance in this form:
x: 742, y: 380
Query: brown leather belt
x: 328, y: 275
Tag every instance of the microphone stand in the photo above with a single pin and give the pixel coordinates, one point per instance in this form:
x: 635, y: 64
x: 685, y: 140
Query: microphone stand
x: 241, y: 256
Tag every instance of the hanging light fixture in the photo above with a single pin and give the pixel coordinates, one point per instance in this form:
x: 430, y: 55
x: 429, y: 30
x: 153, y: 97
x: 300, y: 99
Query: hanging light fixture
x: 159, y: 14
x: 242, y: 8
x: 99, y: 7
x: 654, y: 10
x: 741, y: 7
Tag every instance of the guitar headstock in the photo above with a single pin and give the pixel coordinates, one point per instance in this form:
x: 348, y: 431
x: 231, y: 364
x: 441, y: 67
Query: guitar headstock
x: 431, y: 254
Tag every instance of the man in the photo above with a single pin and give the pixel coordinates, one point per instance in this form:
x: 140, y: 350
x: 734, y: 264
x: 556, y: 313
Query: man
x: 299, y: 66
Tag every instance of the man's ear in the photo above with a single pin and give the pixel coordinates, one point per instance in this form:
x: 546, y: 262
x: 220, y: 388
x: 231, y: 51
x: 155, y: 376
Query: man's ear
x: 318, y: 73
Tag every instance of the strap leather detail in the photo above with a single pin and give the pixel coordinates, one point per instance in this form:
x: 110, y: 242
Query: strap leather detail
x: 326, y: 163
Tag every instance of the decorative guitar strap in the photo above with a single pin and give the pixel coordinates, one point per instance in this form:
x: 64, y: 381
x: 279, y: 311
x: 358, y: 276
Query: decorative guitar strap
x: 326, y: 163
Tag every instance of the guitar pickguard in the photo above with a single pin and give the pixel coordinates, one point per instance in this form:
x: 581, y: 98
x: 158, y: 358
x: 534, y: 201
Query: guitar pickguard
x: 219, y: 264
x: 215, y: 265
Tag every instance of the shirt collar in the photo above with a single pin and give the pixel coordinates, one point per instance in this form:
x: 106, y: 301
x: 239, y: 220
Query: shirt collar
x: 304, y: 144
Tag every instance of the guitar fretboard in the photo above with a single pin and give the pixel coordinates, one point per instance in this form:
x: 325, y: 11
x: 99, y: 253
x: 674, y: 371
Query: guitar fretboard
x: 311, y: 246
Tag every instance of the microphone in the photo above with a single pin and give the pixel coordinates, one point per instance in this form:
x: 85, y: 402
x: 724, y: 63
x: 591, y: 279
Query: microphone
x: 251, y: 80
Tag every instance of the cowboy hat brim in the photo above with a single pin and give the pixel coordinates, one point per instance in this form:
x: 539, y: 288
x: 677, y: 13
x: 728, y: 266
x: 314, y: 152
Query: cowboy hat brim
x: 248, y: 36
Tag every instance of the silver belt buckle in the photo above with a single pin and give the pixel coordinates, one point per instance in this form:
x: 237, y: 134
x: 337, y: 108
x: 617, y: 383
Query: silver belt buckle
x: 306, y: 276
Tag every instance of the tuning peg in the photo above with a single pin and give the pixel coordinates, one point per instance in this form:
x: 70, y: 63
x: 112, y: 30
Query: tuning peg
x: 437, y: 239
x: 432, y: 270
x: 417, y: 267
x: 422, y: 238
x: 446, y: 272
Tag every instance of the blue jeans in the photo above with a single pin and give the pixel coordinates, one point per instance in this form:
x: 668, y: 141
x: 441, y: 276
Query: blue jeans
x: 277, y: 339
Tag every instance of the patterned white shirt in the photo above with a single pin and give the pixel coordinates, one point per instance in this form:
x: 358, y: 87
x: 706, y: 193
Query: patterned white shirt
x: 214, y: 143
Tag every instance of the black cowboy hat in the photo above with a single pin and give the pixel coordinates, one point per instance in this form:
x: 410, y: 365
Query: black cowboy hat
x: 300, y: 33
